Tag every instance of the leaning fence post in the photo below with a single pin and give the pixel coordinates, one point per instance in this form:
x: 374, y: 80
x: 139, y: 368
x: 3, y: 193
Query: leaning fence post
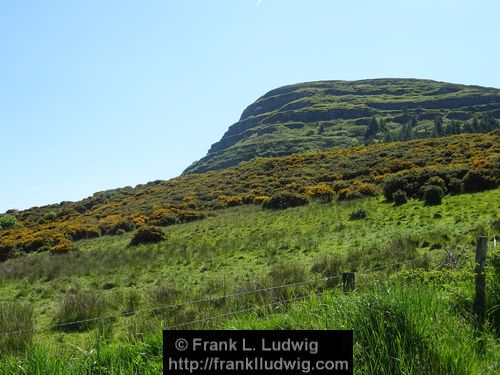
x: 348, y: 281
x: 480, y: 297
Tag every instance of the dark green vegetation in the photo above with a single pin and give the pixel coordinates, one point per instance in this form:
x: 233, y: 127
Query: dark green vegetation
x: 425, y: 302
x: 316, y: 116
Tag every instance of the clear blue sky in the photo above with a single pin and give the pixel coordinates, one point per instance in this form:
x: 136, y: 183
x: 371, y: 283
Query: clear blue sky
x: 101, y: 94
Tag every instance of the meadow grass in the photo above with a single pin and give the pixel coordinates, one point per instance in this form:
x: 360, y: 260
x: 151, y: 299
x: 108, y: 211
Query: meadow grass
x: 245, y: 249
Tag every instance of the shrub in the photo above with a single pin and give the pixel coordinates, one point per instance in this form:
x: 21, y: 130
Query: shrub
x: 260, y: 199
x: 139, y: 219
x: 366, y: 189
x: 321, y: 192
x: 163, y: 217
x: 110, y: 224
x: 347, y: 194
x: 393, y: 184
x: 189, y: 215
x: 284, y: 200
x: 7, y: 221
x: 455, y: 186
x: 80, y: 306
x: 433, y: 195
x: 41, y: 240
x: 80, y: 231
x: 63, y: 247
x: 437, y: 181
x: 147, y: 234
x: 49, y: 216
x: 230, y: 201
x: 15, y: 317
x: 478, y: 180
x: 358, y: 214
x: 399, y: 197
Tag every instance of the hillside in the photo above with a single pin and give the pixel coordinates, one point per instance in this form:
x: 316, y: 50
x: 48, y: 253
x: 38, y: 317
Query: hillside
x: 468, y: 162
x: 232, y: 257
x: 316, y: 116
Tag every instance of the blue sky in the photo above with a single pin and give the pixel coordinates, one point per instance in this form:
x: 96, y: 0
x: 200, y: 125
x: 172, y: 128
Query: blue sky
x: 102, y: 94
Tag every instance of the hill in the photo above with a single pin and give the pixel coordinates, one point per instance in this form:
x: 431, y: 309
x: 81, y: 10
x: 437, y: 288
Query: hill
x: 316, y: 116
x: 467, y: 162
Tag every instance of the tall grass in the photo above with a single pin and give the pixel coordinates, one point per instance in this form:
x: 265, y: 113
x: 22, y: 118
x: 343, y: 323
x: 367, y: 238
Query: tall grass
x: 16, y: 325
x: 398, y: 329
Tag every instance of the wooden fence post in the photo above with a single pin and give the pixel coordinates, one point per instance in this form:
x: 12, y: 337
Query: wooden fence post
x: 348, y: 281
x: 480, y: 297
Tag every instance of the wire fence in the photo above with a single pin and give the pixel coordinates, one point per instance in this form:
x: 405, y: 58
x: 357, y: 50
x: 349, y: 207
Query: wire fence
x: 209, y: 300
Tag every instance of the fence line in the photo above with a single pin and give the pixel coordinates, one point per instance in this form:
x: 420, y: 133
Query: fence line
x: 206, y: 300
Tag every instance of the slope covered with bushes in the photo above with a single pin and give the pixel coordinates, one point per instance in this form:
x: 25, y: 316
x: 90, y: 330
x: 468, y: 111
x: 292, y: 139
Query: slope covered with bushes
x: 455, y: 164
x: 100, y: 309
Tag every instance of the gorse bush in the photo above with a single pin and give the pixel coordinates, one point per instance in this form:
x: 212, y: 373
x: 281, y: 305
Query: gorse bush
x: 455, y: 186
x: 280, y: 201
x: 80, y: 306
x: 147, y: 234
x: 479, y: 180
x: 437, y: 181
x: 432, y: 195
x: 15, y: 318
x: 348, y: 193
x: 260, y: 199
x: 80, y: 231
x: 230, y: 201
x: 163, y: 217
x: 321, y: 192
x: 399, y: 197
x: 63, y: 247
x: 111, y: 224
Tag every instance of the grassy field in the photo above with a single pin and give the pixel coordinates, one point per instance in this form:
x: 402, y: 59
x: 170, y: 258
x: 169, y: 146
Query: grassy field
x: 244, y: 249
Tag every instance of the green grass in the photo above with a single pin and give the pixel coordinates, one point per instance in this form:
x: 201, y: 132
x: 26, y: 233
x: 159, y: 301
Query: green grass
x: 247, y: 248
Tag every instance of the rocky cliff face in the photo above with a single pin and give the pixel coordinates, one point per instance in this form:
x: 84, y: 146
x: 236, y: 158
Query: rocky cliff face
x: 319, y: 115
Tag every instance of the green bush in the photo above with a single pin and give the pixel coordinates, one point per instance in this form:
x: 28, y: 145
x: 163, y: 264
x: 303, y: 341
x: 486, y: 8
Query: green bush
x: 284, y: 200
x: 399, y: 197
x: 49, y: 216
x: 7, y: 221
x: 437, y: 181
x: 479, y: 180
x: 112, y: 226
x: 432, y: 195
x: 455, y: 186
x: 147, y: 234
x: 394, y: 184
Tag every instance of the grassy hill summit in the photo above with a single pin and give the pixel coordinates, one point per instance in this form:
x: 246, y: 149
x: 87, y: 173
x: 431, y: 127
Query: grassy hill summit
x: 315, y: 116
